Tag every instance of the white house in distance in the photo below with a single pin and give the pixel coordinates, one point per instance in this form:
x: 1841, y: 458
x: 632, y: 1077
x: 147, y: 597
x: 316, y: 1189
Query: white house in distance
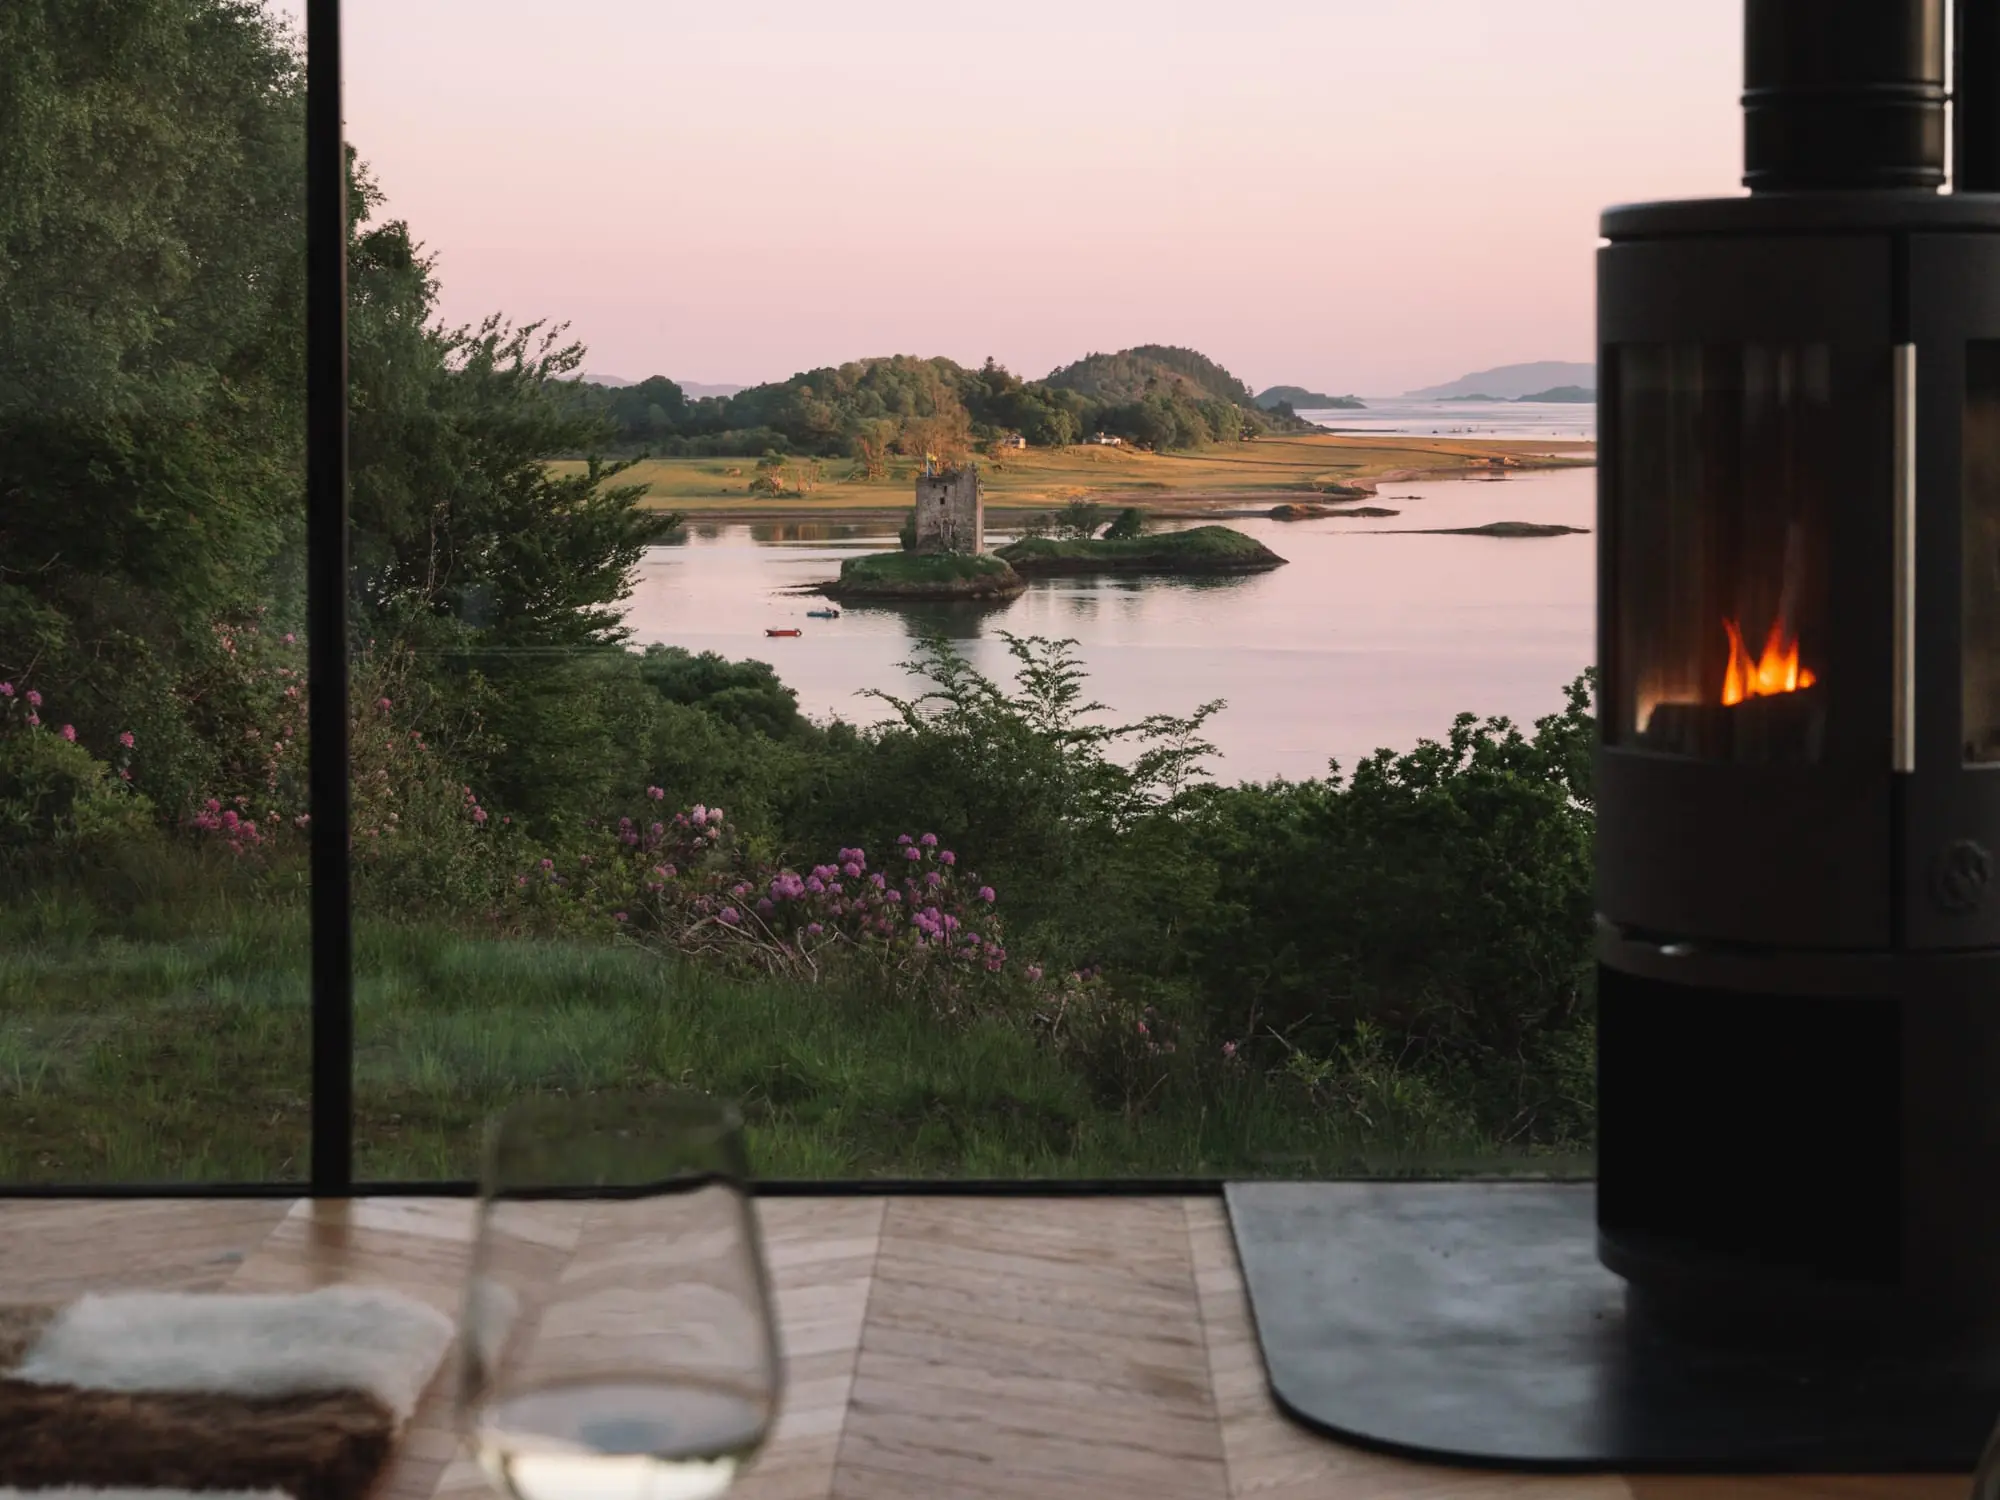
x: 1104, y: 440
x: 1013, y: 440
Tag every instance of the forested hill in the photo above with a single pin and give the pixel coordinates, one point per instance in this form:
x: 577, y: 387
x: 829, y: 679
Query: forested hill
x: 1129, y: 374
x: 1154, y: 395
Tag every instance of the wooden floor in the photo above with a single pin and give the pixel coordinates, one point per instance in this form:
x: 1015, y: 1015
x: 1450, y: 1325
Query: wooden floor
x: 1061, y: 1349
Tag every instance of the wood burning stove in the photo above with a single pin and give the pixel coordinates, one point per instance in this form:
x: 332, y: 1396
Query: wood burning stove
x: 1799, y: 638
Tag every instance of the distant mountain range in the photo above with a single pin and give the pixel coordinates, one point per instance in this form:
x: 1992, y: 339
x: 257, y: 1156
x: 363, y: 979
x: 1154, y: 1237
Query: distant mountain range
x: 691, y: 388
x: 1535, y: 381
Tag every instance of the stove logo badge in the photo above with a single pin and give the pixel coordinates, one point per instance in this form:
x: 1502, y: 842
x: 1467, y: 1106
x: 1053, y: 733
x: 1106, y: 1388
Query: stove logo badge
x: 1960, y: 878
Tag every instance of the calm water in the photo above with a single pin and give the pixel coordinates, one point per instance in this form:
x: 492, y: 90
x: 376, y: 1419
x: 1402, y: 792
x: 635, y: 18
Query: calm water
x: 1499, y: 419
x: 1366, y: 639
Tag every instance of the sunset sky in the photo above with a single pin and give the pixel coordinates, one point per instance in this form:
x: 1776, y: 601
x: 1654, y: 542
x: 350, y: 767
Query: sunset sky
x: 1352, y: 196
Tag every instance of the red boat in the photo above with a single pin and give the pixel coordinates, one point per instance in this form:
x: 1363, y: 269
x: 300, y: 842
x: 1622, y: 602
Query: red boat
x: 784, y: 632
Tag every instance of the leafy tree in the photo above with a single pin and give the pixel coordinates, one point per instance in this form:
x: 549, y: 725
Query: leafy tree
x: 1130, y: 525
x: 1079, y: 520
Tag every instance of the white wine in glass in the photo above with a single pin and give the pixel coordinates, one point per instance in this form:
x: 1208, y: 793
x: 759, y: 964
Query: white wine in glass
x: 619, y: 1341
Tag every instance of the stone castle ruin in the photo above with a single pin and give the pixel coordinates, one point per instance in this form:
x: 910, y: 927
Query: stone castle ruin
x: 951, y: 516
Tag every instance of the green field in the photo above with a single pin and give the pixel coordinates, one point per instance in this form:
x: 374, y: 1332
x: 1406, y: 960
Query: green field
x: 1036, y: 478
x: 137, y: 1058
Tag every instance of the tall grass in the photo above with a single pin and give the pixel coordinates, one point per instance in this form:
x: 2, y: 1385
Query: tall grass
x: 185, y: 1056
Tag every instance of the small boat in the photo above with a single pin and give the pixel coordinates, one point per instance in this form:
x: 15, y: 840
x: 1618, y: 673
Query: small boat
x: 784, y: 632
x: 822, y: 614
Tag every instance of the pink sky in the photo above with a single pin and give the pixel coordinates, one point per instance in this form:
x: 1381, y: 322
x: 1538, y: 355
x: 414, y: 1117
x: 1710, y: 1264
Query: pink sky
x: 1346, y: 195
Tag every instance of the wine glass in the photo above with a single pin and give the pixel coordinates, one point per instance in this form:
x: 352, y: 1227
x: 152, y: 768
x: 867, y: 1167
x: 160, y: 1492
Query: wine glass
x: 618, y: 1341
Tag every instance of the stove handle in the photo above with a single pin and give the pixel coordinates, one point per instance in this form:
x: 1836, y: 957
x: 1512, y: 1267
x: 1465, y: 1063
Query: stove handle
x: 1903, y: 662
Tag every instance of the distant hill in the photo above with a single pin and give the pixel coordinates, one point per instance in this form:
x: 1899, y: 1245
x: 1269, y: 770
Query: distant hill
x: 1512, y: 382
x: 1571, y: 394
x: 694, y: 390
x: 1131, y: 373
x: 1300, y: 399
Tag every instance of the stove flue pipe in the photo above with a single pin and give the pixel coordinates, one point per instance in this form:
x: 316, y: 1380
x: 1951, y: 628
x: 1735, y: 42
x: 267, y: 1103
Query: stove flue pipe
x: 1850, y: 94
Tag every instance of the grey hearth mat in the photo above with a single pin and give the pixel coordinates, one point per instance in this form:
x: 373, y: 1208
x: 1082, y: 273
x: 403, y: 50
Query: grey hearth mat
x: 1471, y: 1323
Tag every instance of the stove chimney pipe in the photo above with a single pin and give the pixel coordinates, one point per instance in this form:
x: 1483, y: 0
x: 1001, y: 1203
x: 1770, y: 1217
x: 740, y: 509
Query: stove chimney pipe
x: 1845, y: 94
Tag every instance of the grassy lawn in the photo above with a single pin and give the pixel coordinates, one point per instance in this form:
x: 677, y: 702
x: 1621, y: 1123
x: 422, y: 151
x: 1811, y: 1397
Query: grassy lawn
x: 165, y: 1057
x: 1040, y: 477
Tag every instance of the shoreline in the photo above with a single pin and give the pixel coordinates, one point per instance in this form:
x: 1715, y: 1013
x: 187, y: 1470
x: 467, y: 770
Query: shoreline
x: 1214, y: 503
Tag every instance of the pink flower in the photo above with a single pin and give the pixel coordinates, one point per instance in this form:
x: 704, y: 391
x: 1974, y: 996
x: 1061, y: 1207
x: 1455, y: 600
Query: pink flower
x: 986, y: 894
x: 913, y: 853
x: 903, y: 838
x: 813, y: 929
x: 126, y: 739
x: 715, y: 815
x: 851, y: 870
x: 947, y: 858
x: 699, y: 812
x: 290, y: 639
x: 658, y: 794
x: 69, y: 733
x: 6, y: 689
x: 548, y: 864
x: 384, y: 704
x: 621, y: 916
x: 34, y: 719
x: 479, y: 815
x: 124, y: 773
x: 1229, y: 1050
x: 929, y: 841
x: 520, y: 880
x: 1142, y: 1029
x: 729, y: 916
x: 34, y: 699
x: 1034, y: 974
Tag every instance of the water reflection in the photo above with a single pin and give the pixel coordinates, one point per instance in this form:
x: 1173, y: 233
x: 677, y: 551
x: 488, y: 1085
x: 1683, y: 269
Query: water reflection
x: 1365, y: 639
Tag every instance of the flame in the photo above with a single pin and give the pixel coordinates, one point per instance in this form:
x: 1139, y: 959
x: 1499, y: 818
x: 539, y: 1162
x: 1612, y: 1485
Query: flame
x: 1776, y: 671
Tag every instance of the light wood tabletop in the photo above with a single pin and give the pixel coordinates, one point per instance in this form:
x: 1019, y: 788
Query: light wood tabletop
x: 1057, y: 1348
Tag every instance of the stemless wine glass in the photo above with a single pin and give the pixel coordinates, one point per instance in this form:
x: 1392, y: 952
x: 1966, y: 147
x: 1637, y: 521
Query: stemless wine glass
x: 643, y: 1363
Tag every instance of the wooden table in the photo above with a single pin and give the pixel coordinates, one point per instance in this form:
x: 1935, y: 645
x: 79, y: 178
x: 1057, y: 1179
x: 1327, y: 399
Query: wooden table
x: 1036, y: 1349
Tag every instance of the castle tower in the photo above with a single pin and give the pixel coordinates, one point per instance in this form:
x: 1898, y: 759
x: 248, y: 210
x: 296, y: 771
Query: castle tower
x: 951, y: 516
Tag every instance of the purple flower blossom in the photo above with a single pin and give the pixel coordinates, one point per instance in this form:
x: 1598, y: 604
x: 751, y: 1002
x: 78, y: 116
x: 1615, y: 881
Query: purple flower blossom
x: 548, y: 864
x: 729, y: 916
x: 1228, y: 1050
x: 895, y: 895
x: 813, y: 929
x: 913, y: 853
x: 126, y: 739
x: 6, y: 689
x: 816, y: 886
x: 34, y: 699
x: 621, y: 916
x: 903, y: 838
x: 290, y: 639
x: 929, y: 841
x: 658, y: 794
x: 947, y: 858
x: 34, y: 719
x: 1034, y: 973
x: 699, y: 812
x: 479, y: 816
x: 851, y: 870
x: 69, y: 733
x: 765, y: 905
x: 986, y: 895
x: 715, y: 815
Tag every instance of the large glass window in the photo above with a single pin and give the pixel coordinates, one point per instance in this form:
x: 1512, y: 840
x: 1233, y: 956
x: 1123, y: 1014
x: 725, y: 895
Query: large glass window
x: 1722, y: 491
x: 154, y: 1007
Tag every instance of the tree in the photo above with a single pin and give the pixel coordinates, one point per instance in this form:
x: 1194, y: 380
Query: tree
x: 1079, y: 520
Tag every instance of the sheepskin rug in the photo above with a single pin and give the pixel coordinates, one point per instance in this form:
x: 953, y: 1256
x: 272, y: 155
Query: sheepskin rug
x: 163, y: 1395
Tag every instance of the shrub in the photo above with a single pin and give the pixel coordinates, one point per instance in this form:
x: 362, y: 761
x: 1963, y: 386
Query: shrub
x: 1130, y: 525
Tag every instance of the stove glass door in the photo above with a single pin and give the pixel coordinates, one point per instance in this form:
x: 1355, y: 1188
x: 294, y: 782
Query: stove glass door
x: 1721, y: 460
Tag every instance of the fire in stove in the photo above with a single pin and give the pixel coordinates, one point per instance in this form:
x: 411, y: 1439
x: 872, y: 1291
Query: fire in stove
x: 1776, y: 671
